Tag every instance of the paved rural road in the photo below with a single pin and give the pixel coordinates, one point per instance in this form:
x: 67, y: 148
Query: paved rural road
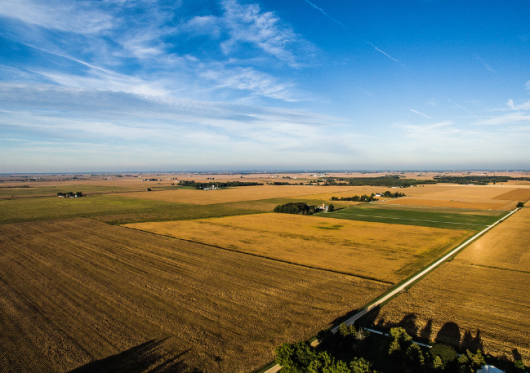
x: 402, y: 287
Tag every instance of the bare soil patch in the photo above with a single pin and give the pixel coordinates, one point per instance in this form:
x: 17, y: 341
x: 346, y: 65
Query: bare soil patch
x: 81, y: 294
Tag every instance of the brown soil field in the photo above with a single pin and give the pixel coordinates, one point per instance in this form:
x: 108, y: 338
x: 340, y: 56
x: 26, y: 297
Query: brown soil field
x: 484, y: 288
x: 466, y: 306
x: 506, y: 246
x: 248, y: 193
x: 469, y: 204
x: 388, y: 252
x: 520, y: 194
x: 83, y: 296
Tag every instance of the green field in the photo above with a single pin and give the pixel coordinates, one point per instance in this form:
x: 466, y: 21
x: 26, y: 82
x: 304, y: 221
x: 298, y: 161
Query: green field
x: 111, y: 209
x: 437, y: 218
x: 36, y: 190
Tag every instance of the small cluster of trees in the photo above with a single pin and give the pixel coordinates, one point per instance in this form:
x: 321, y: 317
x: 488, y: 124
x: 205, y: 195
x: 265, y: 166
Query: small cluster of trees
x: 70, y: 194
x: 192, y: 183
x: 368, y: 198
x: 356, y: 198
x: 295, y: 208
x: 352, y: 350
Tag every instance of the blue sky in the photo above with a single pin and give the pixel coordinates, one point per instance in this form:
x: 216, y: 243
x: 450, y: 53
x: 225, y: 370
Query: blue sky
x: 263, y: 85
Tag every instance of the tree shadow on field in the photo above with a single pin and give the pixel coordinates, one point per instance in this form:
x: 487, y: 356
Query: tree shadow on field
x: 471, y: 343
x: 426, y: 331
x: 449, y: 334
x: 148, y: 356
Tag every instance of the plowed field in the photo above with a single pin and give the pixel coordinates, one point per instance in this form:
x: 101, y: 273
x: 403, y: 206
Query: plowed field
x: 388, y: 252
x: 521, y: 194
x: 78, y: 294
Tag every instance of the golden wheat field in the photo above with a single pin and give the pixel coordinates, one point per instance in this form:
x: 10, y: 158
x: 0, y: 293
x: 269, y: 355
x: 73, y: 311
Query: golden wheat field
x: 479, y: 197
x: 78, y: 294
x: 506, y: 246
x: 387, y: 252
x: 485, y: 287
x: 248, y: 193
x: 467, y: 306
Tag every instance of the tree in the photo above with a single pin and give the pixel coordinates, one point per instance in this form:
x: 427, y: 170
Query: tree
x: 331, y: 208
x: 414, y: 359
x: 520, y: 204
x: 148, y: 189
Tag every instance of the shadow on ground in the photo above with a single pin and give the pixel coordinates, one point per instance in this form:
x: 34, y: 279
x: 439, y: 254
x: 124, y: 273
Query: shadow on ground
x: 146, y: 357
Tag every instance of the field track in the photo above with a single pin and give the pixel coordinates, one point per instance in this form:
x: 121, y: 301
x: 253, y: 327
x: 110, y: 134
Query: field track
x: 421, y: 299
x: 78, y: 294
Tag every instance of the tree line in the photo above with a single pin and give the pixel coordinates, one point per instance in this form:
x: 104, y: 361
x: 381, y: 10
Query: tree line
x: 191, y: 183
x: 352, y: 350
x: 368, y: 198
x: 383, y: 181
x: 70, y: 194
x: 476, y: 180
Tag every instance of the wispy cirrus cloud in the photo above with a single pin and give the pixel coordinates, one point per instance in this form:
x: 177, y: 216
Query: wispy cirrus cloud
x: 486, y: 65
x: 79, y: 17
x: 419, y: 113
x: 323, y: 12
x: 248, y: 24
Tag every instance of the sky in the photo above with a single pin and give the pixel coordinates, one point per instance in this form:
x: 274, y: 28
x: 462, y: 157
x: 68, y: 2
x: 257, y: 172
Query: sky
x: 223, y: 85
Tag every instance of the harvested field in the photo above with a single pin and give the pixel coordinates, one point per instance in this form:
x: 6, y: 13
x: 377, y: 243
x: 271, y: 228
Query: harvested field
x: 484, y: 288
x: 469, y: 204
x: 521, y: 194
x: 248, y: 193
x: 506, y: 246
x: 466, y: 306
x: 388, y: 252
x: 78, y: 294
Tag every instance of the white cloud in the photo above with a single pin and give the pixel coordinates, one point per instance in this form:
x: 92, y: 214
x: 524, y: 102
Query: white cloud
x: 417, y: 112
x: 248, y: 24
x: 510, y: 104
x: 506, y: 119
x: 80, y: 16
x: 251, y: 80
x: 486, y: 65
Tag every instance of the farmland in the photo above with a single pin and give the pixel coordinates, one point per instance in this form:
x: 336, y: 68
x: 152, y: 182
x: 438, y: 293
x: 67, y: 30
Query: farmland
x: 483, y: 290
x: 211, y: 279
x: 366, y: 249
x: 420, y: 217
x: 78, y: 293
x: 252, y: 193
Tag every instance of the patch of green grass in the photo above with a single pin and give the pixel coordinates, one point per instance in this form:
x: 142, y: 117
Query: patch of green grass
x: 438, y: 219
x: 36, y: 190
x: 110, y: 209
x: 331, y: 227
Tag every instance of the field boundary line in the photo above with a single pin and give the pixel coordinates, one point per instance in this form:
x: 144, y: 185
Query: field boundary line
x: 420, y: 220
x: 398, y: 289
x: 268, y: 258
